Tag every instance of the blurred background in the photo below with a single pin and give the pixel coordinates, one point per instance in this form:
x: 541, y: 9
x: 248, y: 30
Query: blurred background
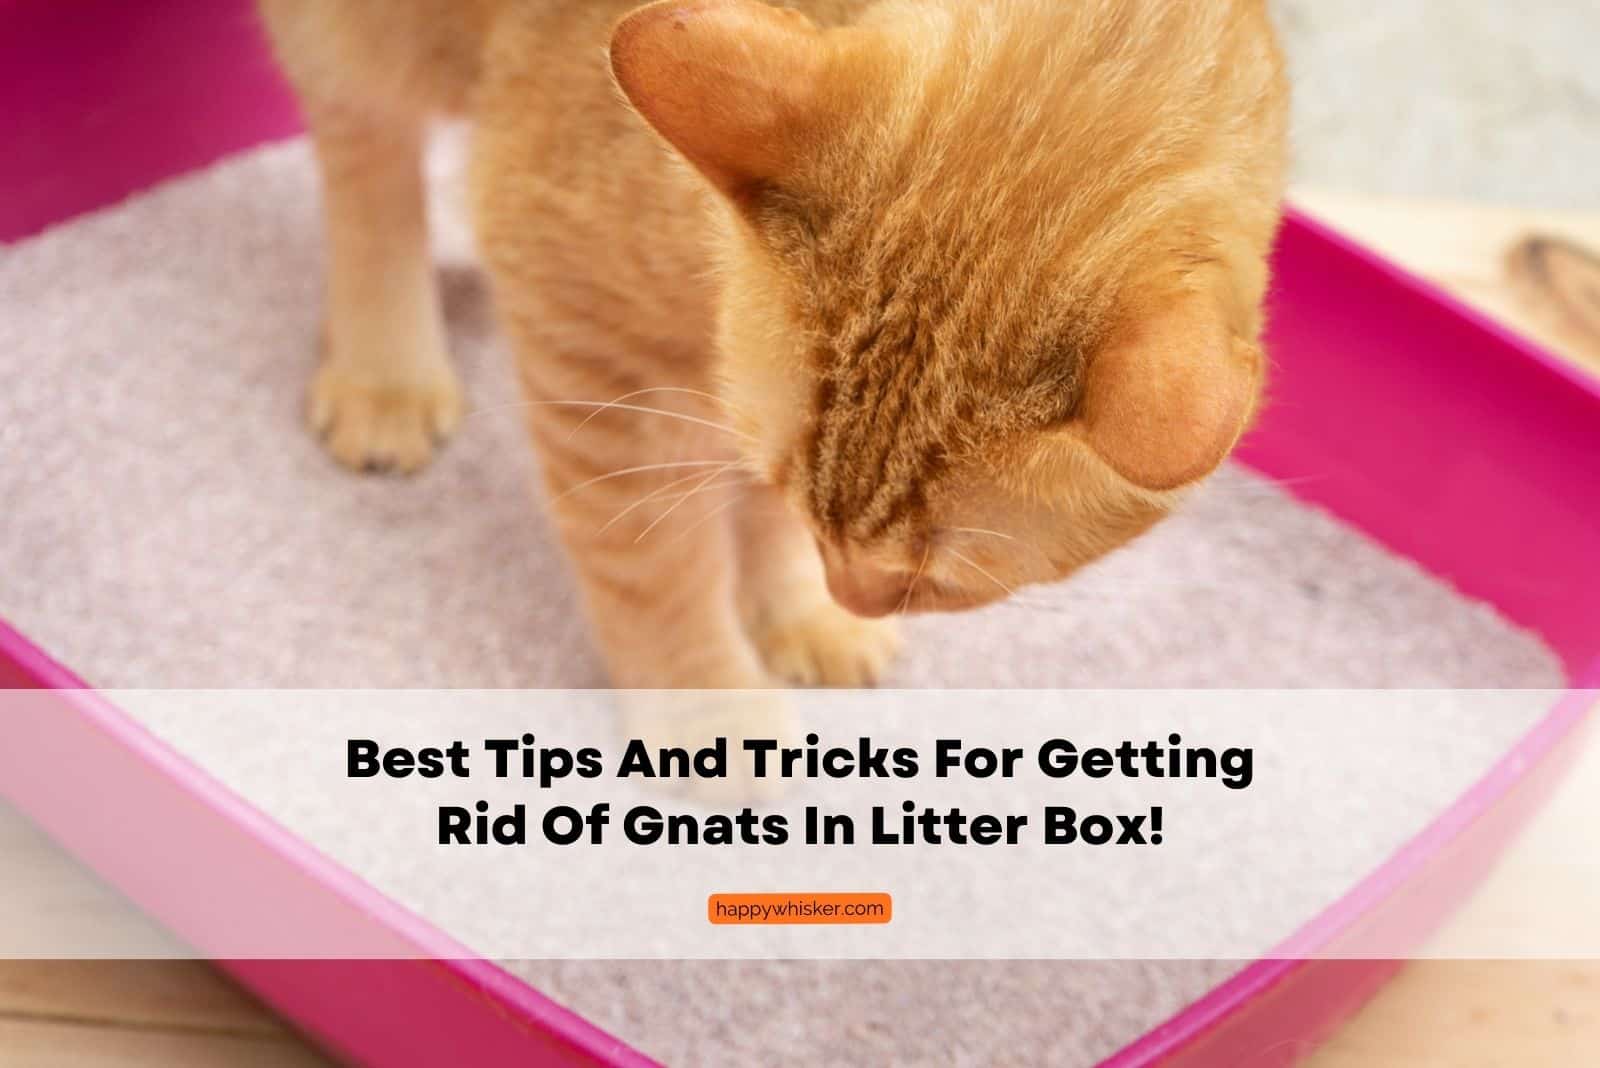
x: 1463, y: 99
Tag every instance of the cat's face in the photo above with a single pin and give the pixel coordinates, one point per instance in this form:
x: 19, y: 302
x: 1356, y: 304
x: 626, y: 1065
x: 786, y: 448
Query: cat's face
x: 969, y: 359
x: 938, y: 473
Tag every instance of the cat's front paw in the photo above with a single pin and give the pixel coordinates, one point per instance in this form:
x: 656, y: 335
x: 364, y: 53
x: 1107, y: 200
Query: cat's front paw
x: 824, y: 645
x: 384, y: 426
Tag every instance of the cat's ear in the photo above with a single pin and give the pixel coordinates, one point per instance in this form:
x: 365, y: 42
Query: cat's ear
x: 1166, y: 401
x: 733, y: 85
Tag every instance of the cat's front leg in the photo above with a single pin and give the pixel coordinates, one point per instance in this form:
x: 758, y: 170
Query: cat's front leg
x: 644, y: 519
x: 804, y: 636
x: 385, y: 393
x: 641, y: 515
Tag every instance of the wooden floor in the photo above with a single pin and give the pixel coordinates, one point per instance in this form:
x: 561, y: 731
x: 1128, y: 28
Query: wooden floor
x: 1436, y: 1014
x: 136, y: 1014
x: 182, y: 1014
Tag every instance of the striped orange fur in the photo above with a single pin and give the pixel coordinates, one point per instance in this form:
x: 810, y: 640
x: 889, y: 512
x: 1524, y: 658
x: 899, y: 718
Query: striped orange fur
x: 823, y: 313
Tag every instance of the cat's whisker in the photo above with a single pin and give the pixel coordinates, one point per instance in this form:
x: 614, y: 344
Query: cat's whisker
x: 980, y: 530
x: 1048, y: 609
x: 612, y: 404
x: 912, y: 589
x: 739, y: 482
x: 657, y: 494
x: 1004, y: 537
x: 1059, y: 597
x: 1259, y: 486
x: 599, y: 406
x: 708, y: 517
x: 646, y: 410
x: 641, y: 470
x: 662, y: 518
x: 1010, y: 592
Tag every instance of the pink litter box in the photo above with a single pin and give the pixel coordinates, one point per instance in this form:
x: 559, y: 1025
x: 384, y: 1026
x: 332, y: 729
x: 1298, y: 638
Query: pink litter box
x: 1442, y: 436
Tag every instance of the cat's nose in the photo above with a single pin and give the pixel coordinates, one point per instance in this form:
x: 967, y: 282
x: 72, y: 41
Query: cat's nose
x: 863, y: 587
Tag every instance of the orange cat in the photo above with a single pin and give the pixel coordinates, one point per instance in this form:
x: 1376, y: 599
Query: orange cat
x: 961, y: 293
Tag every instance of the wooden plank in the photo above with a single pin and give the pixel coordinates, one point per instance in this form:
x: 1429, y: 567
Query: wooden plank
x: 43, y: 1044
x: 176, y: 995
x: 1475, y: 1014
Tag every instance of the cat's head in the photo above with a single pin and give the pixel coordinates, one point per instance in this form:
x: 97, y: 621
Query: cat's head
x: 991, y: 290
